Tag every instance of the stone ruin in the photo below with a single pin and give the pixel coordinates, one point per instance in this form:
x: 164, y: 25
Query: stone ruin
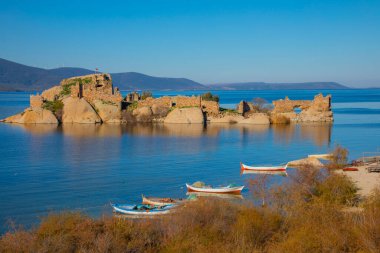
x: 209, y: 107
x: 93, y: 87
x: 316, y: 110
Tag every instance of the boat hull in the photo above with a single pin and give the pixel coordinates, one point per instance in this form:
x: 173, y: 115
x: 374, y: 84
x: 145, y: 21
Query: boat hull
x: 128, y: 209
x: 263, y: 169
x: 224, y: 190
x: 157, y: 201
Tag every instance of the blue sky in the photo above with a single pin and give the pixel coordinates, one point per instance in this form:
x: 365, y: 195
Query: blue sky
x: 207, y: 41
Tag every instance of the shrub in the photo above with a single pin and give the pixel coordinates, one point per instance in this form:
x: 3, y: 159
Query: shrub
x: 53, y: 106
x: 208, y: 96
x: 339, y: 158
x: 260, y: 105
x: 146, y: 94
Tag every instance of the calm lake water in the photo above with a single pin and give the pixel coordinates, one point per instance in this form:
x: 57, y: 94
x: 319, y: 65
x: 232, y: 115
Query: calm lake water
x: 83, y: 167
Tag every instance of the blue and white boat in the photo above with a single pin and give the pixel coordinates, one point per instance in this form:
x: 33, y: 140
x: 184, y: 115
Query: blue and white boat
x: 141, y: 209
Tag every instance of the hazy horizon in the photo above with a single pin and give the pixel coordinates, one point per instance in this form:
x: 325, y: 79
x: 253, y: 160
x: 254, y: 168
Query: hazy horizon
x: 205, y: 41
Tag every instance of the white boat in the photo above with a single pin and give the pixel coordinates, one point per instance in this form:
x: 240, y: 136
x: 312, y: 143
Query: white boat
x: 141, y: 209
x: 223, y: 190
x: 279, y: 173
x: 160, y: 201
x: 216, y: 195
x: 263, y: 168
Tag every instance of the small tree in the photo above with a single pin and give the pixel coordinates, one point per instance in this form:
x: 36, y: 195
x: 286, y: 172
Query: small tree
x: 146, y: 94
x: 338, y: 158
x: 260, y: 105
x: 208, y: 96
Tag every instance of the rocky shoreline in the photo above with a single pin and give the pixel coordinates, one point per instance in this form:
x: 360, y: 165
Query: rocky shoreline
x: 92, y: 99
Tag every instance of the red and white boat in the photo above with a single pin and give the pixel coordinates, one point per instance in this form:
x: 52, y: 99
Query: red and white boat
x: 224, y: 190
x: 263, y: 168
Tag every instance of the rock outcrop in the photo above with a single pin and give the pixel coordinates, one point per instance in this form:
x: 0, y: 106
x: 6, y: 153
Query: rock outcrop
x: 143, y: 114
x: 191, y: 115
x: 78, y: 110
x: 229, y: 118
x: 310, y: 161
x: 256, y: 119
x: 33, y: 116
x: 107, y: 111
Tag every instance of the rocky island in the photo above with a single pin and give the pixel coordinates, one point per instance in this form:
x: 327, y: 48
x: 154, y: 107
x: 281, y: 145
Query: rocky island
x: 92, y: 99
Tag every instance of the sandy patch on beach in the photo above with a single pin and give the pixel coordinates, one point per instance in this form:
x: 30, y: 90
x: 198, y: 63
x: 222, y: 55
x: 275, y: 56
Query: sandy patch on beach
x: 366, y: 182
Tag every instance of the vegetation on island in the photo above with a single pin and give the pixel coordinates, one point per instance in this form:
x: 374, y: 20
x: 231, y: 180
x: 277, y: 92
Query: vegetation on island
x: 66, y: 88
x: 208, y: 96
x: 314, y: 211
x: 146, y: 94
x: 261, y: 105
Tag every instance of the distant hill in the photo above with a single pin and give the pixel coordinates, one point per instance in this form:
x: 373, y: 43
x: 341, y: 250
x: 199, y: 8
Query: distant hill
x: 279, y: 86
x: 19, y: 77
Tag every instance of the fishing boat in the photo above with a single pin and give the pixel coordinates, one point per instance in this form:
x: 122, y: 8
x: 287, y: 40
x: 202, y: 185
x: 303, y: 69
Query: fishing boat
x: 263, y: 168
x: 141, y: 209
x: 216, y: 195
x: 160, y: 201
x: 279, y: 173
x: 230, y: 189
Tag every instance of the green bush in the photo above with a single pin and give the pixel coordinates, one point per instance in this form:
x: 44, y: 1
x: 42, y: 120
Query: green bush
x: 146, y: 94
x: 208, y: 96
x: 53, y: 106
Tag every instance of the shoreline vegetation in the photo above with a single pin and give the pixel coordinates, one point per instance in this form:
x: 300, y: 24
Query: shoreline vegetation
x: 316, y: 210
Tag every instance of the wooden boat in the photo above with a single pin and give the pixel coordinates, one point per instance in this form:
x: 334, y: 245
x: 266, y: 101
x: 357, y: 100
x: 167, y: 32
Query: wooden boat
x: 160, y: 201
x: 350, y: 169
x: 263, y: 168
x: 216, y: 195
x: 141, y: 209
x: 279, y: 173
x: 221, y: 190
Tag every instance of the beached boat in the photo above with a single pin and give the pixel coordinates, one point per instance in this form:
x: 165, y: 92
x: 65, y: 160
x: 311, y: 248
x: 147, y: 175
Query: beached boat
x: 263, y: 168
x: 223, y: 190
x: 279, y: 173
x: 141, y: 209
x: 160, y: 201
x: 216, y: 195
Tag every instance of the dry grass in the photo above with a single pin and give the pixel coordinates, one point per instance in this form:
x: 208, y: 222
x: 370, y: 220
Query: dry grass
x: 303, y: 215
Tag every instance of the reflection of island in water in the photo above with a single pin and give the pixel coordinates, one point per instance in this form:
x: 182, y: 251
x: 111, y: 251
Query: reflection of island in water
x: 319, y: 133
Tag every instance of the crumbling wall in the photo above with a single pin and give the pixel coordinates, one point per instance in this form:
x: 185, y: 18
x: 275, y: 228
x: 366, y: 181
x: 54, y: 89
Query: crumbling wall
x: 183, y: 101
x: 92, y: 87
x: 36, y: 101
x: 161, y: 101
x: 316, y: 110
x: 210, y: 107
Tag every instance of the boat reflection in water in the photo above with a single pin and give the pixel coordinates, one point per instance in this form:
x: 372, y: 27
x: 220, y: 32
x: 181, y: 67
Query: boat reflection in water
x: 216, y: 195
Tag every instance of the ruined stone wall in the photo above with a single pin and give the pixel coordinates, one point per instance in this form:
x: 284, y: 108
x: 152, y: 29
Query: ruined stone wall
x: 183, y: 101
x: 92, y: 87
x: 211, y: 107
x: 36, y: 101
x: 161, y: 101
x: 287, y: 105
x: 52, y: 93
x: 316, y: 110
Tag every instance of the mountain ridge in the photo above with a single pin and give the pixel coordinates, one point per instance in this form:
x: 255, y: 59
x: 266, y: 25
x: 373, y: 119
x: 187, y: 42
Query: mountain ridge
x: 19, y: 77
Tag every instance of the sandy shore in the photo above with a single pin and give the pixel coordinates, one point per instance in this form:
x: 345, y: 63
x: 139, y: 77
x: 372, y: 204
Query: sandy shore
x: 365, y: 181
